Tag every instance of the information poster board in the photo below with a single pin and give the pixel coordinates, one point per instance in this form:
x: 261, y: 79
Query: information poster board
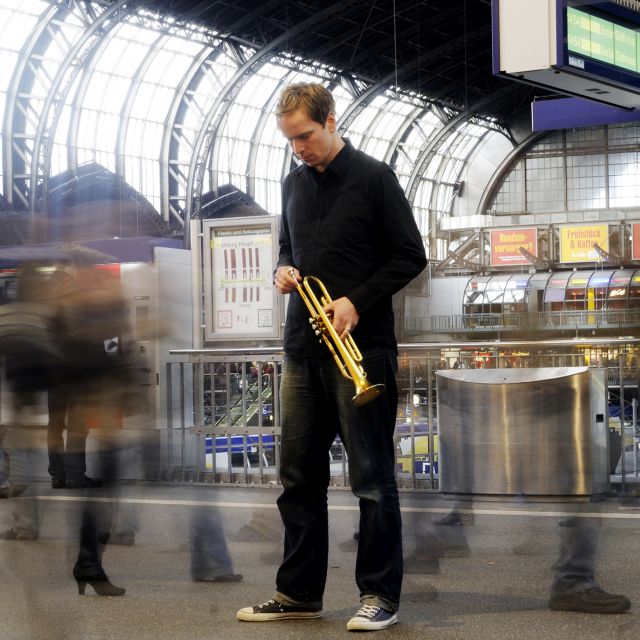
x: 241, y: 301
x: 506, y: 243
x: 576, y: 242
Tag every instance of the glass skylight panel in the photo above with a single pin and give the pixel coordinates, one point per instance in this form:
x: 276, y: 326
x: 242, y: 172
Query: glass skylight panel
x: 7, y: 68
x: 168, y: 67
x: 444, y: 198
x: 210, y: 84
x: 143, y: 138
x: 416, y: 140
x: 269, y: 162
x: 58, y: 162
x: 135, y: 33
x: 362, y: 123
x: 62, y: 131
x: 94, y: 95
x: 107, y: 160
x: 423, y: 199
x: 182, y: 47
x: 271, y: 135
x: 115, y: 93
x: 464, y: 146
x: 432, y: 168
x: 27, y: 7
x: 238, y: 180
x: 16, y: 28
x: 342, y: 99
x: 241, y: 122
x: 452, y: 169
x: 104, y: 135
x: 270, y: 72
x: 256, y: 90
x: 384, y: 130
x: 376, y: 148
x: 231, y: 156
x: 421, y: 216
x: 273, y: 203
x: 131, y: 57
x: 144, y: 176
x: 152, y: 102
x: 238, y: 159
x: 389, y: 125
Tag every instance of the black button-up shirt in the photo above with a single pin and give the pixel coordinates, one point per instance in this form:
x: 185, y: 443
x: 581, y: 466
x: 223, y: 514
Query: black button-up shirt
x: 352, y: 227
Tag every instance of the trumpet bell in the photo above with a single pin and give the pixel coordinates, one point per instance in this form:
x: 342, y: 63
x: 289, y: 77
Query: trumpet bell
x: 367, y: 393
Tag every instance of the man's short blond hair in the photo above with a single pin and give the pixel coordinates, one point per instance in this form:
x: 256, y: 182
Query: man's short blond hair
x: 311, y: 97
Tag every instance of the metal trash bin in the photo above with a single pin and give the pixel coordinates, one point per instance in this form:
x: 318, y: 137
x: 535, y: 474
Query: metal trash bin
x: 534, y: 432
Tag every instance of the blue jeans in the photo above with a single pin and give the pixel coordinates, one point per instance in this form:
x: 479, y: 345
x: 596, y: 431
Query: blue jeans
x: 209, y: 554
x: 574, y: 569
x: 316, y: 406
x: 4, y: 469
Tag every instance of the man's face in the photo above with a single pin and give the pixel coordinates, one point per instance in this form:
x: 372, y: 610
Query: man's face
x: 313, y: 143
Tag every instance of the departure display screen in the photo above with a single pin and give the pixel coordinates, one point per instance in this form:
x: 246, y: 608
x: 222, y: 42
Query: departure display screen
x: 603, y: 40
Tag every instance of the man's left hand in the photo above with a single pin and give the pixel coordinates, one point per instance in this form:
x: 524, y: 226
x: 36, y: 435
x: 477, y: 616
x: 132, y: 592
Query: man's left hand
x: 344, y: 316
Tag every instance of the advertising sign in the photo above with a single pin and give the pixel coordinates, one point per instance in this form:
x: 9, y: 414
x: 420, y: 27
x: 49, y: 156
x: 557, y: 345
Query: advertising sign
x: 635, y: 241
x: 506, y: 244
x: 576, y: 242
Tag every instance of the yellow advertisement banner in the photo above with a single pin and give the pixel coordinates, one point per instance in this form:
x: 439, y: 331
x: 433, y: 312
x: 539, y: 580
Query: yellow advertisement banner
x: 577, y: 242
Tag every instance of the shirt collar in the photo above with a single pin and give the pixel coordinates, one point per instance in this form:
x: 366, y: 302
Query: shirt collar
x: 339, y: 166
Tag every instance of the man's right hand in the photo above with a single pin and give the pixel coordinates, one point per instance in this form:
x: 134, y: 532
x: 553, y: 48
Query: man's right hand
x: 284, y: 281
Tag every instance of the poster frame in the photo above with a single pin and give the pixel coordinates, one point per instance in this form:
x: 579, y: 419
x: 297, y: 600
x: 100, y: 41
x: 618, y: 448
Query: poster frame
x: 243, y: 227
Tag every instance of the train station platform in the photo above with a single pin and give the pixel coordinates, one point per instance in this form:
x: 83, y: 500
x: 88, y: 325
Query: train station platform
x: 488, y: 578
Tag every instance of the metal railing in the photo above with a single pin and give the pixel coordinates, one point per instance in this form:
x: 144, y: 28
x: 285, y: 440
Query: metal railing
x: 601, y: 319
x: 223, y: 415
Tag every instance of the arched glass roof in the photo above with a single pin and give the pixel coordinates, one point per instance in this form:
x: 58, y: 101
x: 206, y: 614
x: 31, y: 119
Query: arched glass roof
x: 177, y: 110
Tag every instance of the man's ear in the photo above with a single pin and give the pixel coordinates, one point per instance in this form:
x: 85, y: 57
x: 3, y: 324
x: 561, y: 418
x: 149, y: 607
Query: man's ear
x: 331, y: 122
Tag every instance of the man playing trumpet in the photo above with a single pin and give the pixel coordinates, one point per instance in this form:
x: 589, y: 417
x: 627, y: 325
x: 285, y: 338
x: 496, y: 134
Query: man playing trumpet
x: 346, y: 221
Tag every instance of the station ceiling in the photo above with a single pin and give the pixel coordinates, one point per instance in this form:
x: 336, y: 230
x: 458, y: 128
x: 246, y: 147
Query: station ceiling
x: 438, y: 48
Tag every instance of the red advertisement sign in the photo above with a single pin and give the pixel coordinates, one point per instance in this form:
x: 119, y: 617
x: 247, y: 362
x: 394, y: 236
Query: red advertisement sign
x: 635, y: 242
x: 506, y: 244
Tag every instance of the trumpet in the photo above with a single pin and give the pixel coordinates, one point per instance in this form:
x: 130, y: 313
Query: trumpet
x: 346, y: 354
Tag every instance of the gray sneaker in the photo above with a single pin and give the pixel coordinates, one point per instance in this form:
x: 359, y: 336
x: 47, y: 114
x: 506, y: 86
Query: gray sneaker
x: 371, y: 618
x: 272, y: 610
x: 593, y: 600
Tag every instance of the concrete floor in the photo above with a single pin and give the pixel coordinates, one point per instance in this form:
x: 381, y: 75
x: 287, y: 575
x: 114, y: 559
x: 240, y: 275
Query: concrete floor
x: 488, y: 579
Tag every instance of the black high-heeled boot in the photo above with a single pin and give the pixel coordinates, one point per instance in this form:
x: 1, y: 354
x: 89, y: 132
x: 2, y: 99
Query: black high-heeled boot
x: 98, y: 581
x: 88, y: 568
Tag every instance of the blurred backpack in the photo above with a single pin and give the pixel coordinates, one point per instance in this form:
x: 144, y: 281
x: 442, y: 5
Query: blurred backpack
x: 30, y: 343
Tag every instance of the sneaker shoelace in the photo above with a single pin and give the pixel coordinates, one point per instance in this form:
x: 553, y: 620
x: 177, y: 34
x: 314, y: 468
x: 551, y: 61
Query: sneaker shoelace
x: 265, y: 604
x: 368, y: 611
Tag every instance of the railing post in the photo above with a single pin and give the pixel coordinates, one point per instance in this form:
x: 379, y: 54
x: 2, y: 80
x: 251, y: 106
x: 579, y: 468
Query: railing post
x: 432, y: 456
x: 169, y: 414
x: 623, y: 471
x: 182, y: 421
x: 636, y: 439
